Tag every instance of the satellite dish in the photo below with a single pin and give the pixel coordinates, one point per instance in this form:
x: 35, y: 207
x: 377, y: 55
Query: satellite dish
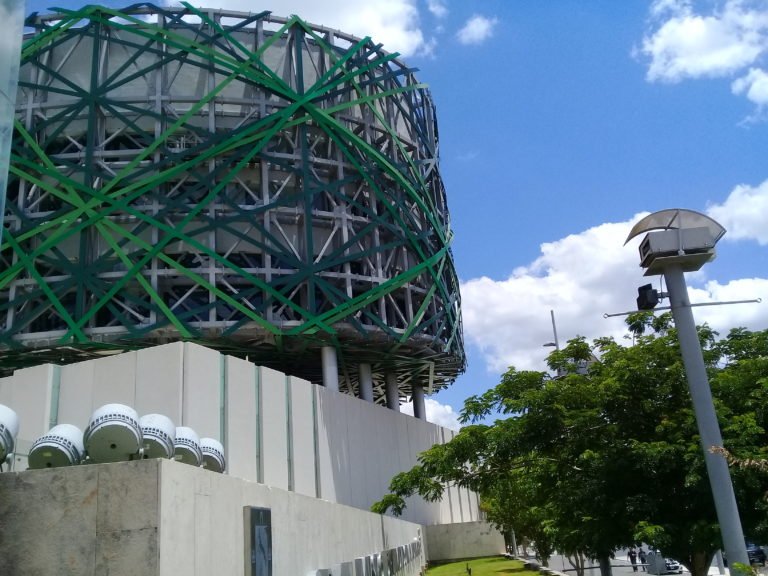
x: 213, y: 455
x: 187, y: 446
x: 9, y: 429
x: 113, y: 434
x: 62, y: 446
x: 159, y: 435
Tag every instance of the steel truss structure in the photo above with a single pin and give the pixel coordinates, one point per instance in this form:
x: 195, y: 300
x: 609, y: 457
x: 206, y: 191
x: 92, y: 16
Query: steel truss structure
x: 256, y: 184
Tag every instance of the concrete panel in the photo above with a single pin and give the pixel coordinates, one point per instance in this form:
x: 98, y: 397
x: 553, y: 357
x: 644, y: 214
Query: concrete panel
x: 49, y: 522
x: 274, y: 428
x: 242, y: 452
x: 204, y: 560
x: 6, y: 387
x: 324, y: 458
x: 30, y: 396
x: 115, y: 380
x: 203, y: 392
x: 177, y: 533
x: 464, y: 540
x: 76, y: 393
x: 127, y: 496
x: 360, y: 456
x: 385, y: 431
x: 159, y: 377
x: 333, y: 444
x: 368, y: 433
x: 445, y: 503
x: 303, y: 436
x: 466, y: 508
x: 127, y: 553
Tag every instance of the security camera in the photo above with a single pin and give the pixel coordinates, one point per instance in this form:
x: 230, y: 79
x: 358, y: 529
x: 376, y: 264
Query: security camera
x: 9, y: 429
x: 187, y: 446
x: 159, y: 435
x: 61, y: 446
x: 113, y: 434
x: 213, y: 455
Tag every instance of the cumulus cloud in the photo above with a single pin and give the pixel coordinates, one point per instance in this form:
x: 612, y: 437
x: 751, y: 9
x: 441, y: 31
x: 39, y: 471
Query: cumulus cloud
x: 440, y: 414
x: 438, y: 8
x: 723, y: 318
x: 477, y: 29
x: 394, y: 23
x: 744, y: 213
x: 683, y: 43
x: 581, y: 277
x: 754, y: 86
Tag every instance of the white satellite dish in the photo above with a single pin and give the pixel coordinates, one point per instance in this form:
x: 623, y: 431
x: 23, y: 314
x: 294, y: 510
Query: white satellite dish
x: 213, y: 455
x: 159, y: 435
x: 9, y: 429
x: 62, y: 446
x: 113, y: 434
x: 187, y: 446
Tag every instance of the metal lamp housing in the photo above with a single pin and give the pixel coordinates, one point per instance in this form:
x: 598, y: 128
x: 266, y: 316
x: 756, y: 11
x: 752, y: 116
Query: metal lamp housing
x: 691, y: 248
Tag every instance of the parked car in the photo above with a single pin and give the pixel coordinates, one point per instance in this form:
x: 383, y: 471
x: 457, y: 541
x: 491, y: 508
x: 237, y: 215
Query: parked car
x: 756, y: 554
x: 672, y: 566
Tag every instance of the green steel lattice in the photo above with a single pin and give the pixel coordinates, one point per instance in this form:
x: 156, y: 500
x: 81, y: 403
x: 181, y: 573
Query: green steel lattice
x: 256, y: 184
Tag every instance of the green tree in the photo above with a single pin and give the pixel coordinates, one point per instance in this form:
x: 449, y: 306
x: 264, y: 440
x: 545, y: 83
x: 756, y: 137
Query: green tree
x: 608, y: 454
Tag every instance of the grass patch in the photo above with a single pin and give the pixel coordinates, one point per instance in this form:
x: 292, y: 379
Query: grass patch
x: 482, y: 567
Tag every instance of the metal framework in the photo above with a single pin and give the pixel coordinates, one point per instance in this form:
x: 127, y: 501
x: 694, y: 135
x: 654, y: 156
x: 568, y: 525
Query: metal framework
x: 256, y: 184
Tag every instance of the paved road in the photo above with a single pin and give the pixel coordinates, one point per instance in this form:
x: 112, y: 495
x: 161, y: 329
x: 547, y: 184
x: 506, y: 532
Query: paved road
x: 621, y: 566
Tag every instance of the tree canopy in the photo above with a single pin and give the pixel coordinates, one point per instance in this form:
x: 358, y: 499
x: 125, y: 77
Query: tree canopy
x: 607, y: 454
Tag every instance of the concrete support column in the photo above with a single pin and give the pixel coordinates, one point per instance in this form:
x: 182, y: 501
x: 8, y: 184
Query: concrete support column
x: 330, y: 368
x: 390, y: 389
x: 366, y: 382
x: 418, y: 402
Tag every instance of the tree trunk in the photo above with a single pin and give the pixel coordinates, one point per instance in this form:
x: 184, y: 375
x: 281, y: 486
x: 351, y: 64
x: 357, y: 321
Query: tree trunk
x: 700, y: 562
x: 605, y: 566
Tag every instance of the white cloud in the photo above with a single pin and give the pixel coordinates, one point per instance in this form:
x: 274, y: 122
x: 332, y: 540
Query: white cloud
x: 744, y: 213
x: 581, y: 277
x: 723, y: 318
x: 438, y: 8
x: 661, y: 7
x: 685, y: 44
x: 440, y: 414
x: 477, y: 30
x: 393, y: 23
x: 754, y: 86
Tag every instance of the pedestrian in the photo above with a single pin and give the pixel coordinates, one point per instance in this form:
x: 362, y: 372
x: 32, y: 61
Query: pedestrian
x: 642, y: 557
x: 633, y: 559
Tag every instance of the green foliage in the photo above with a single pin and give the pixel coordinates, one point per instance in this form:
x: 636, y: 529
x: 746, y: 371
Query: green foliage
x: 607, y: 454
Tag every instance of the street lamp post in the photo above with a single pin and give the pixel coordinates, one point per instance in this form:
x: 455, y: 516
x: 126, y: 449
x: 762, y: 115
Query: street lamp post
x: 683, y: 241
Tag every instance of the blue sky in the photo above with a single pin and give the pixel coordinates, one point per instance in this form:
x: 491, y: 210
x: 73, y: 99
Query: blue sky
x: 561, y: 122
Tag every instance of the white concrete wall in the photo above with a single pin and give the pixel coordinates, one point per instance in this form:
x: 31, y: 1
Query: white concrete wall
x: 164, y: 518
x: 31, y: 393
x: 462, y: 540
x: 277, y: 430
x: 274, y: 427
x: 302, y: 437
x: 243, y: 432
x: 202, y: 529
